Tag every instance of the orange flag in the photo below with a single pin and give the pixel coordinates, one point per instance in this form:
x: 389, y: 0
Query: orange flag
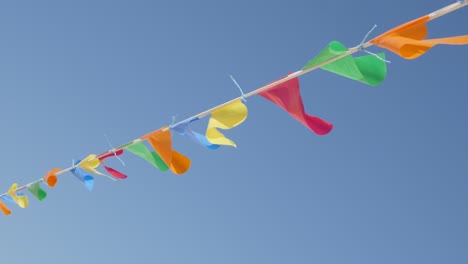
x: 51, y: 177
x: 408, y: 40
x: 4, y: 209
x: 161, y: 142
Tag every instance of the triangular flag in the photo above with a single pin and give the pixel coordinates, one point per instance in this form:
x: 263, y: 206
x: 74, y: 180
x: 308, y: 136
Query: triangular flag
x: 80, y: 174
x: 51, y: 177
x: 90, y: 164
x: 408, y: 40
x: 152, y: 157
x: 226, y: 117
x: 36, y: 190
x: 367, y: 69
x: 161, y: 142
x: 5, y: 210
x: 21, y: 200
x: 288, y: 96
x: 113, y: 172
x: 184, y: 129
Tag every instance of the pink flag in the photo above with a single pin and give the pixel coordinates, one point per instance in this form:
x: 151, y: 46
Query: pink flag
x: 288, y: 96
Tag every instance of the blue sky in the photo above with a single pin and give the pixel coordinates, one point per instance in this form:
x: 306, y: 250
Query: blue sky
x: 387, y: 185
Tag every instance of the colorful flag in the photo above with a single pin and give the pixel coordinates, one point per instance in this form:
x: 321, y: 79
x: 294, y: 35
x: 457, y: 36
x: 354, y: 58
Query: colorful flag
x: 36, y: 190
x: 184, y: 129
x: 113, y: 172
x: 161, y: 142
x: 288, y: 96
x: 226, y: 117
x: 408, y: 40
x: 51, y: 177
x: 367, y: 69
x: 152, y: 157
x: 21, y: 200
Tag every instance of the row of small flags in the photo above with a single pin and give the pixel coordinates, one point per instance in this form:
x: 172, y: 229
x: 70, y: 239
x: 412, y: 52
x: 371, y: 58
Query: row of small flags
x: 407, y: 40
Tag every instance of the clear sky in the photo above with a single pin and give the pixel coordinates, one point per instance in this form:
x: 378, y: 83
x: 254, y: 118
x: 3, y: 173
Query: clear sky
x: 387, y: 185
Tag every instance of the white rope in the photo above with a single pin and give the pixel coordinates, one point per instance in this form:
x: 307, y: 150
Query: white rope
x: 433, y: 15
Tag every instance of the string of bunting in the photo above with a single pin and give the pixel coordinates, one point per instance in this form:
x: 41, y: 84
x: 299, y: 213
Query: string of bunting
x: 407, y: 40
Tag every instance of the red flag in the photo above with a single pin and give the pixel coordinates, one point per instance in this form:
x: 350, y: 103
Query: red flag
x: 288, y: 96
x: 115, y: 173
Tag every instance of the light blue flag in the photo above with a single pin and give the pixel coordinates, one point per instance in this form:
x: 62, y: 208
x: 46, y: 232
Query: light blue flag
x: 7, y: 198
x: 88, y: 180
x: 184, y: 130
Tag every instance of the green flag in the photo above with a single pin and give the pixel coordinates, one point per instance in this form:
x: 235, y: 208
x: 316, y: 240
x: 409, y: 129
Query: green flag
x: 152, y: 157
x: 36, y: 190
x: 367, y: 69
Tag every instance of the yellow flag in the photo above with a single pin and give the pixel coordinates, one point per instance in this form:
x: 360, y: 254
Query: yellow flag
x: 21, y: 200
x: 226, y: 117
x: 90, y: 164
